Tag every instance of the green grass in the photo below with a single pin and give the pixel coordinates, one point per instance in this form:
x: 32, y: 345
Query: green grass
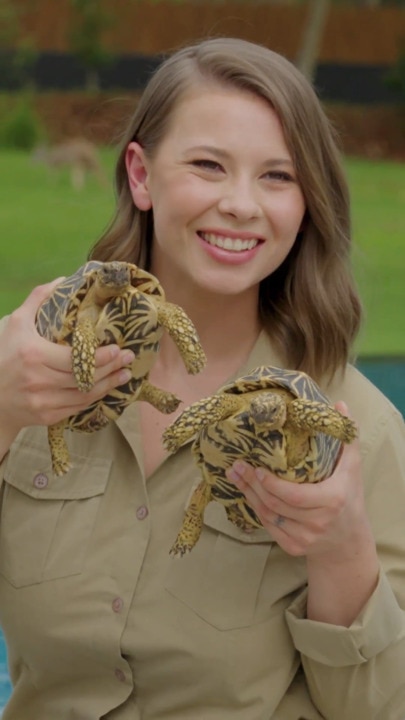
x: 378, y: 202
x: 47, y: 229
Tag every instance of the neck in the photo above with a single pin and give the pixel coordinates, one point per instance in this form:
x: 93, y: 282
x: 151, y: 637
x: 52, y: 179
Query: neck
x: 227, y: 326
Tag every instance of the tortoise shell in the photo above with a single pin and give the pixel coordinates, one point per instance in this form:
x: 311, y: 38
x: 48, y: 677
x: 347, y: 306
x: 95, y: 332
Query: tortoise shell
x: 273, y: 418
x: 114, y: 302
x: 56, y: 320
x: 265, y: 448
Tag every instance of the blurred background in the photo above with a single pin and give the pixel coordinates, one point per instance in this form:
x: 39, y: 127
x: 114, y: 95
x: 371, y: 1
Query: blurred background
x: 71, y: 72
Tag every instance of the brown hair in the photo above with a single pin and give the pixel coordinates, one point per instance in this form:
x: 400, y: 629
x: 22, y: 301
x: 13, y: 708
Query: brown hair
x: 309, y: 304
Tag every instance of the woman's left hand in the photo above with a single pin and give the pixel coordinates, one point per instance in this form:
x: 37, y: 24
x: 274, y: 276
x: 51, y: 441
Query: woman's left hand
x: 327, y: 523
x: 309, y: 518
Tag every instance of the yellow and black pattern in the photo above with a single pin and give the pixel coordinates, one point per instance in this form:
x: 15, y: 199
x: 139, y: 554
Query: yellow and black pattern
x: 117, y: 302
x: 299, y: 438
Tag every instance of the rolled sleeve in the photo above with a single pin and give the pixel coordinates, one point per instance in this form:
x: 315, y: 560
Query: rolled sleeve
x: 380, y: 624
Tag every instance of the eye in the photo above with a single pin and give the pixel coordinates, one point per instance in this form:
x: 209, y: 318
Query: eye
x: 212, y: 165
x: 279, y: 176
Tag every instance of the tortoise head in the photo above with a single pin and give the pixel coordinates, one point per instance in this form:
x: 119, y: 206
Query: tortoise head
x: 268, y: 409
x: 113, y: 277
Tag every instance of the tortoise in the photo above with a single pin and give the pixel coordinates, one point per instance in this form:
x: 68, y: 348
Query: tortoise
x: 113, y: 302
x: 274, y: 418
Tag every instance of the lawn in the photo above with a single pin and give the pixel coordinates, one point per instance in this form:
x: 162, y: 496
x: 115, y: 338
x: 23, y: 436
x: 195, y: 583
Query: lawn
x: 47, y: 229
x: 378, y: 209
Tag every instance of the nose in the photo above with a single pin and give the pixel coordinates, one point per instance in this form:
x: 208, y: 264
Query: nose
x: 239, y: 199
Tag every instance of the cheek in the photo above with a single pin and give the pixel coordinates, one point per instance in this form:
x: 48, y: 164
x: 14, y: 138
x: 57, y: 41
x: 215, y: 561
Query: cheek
x: 288, y: 216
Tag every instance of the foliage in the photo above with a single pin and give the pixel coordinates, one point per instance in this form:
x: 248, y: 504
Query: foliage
x: 17, y: 55
x: 396, y: 77
x: 21, y: 127
x: 86, y: 37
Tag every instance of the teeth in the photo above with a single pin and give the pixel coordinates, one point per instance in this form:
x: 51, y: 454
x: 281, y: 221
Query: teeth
x: 227, y: 243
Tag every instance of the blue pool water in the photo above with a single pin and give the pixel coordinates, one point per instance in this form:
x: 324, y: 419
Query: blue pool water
x: 388, y: 375
x: 5, y: 685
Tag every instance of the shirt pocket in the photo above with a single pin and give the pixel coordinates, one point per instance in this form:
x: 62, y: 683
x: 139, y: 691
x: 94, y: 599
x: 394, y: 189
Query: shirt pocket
x: 46, y: 521
x: 221, y: 579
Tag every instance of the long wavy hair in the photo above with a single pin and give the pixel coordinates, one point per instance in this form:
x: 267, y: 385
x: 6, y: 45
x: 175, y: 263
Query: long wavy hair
x: 309, y: 305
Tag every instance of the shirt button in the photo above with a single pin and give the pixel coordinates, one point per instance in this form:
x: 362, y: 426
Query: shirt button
x: 117, y: 604
x: 40, y: 481
x: 142, y: 512
x: 119, y: 674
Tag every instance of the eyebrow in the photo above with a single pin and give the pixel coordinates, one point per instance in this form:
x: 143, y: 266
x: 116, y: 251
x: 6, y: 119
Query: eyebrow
x: 272, y: 162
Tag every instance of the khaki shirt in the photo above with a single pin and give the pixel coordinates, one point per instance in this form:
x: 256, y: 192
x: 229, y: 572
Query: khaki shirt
x: 101, y: 623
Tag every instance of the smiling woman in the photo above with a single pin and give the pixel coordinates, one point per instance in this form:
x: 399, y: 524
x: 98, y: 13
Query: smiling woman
x: 220, y: 183
x: 230, y: 190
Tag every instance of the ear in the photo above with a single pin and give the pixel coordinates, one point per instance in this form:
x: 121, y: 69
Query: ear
x: 136, y: 162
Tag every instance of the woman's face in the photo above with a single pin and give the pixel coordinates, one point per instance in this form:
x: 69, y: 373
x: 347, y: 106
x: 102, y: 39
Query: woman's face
x: 226, y: 203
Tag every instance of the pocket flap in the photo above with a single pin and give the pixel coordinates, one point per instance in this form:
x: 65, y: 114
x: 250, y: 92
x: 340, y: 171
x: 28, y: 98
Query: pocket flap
x: 29, y: 470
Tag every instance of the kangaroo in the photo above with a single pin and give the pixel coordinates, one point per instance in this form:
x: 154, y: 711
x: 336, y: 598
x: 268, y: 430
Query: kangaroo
x: 79, y: 155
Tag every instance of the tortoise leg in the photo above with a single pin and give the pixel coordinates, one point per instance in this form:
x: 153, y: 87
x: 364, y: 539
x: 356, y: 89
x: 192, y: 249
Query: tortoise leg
x: 162, y: 400
x: 193, y: 521
x: 198, y: 415
x: 183, y: 333
x: 315, y: 416
x: 239, y: 516
x: 84, y: 344
x: 236, y: 517
x: 59, y: 451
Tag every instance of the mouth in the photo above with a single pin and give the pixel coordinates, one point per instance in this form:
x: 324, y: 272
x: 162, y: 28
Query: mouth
x: 233, y: 244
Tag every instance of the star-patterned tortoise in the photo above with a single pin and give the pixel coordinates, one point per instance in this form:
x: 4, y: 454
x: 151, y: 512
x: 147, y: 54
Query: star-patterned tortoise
x: 273, y: 418
x: 113, y: 302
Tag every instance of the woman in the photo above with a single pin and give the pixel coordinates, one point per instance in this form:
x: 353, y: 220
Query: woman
x: 230, y: 191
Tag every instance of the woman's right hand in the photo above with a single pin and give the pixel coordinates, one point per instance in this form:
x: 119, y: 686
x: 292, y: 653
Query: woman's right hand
x: 36, y: 381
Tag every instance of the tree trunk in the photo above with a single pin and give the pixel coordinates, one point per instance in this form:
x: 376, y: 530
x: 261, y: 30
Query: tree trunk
x: 307, y: 59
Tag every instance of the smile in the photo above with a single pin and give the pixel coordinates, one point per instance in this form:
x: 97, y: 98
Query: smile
x: 227, y: 243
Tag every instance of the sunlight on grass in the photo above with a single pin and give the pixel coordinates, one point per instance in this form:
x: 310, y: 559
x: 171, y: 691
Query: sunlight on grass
x: 47, y: 229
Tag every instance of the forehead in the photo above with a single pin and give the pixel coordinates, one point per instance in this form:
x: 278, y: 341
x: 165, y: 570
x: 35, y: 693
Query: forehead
x: 210, y: 110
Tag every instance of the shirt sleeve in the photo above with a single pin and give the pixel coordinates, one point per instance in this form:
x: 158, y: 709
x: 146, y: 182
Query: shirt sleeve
x: 358, y: 672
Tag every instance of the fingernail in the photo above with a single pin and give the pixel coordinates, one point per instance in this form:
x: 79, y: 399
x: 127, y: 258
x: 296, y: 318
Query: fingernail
x: 240, y: 467
x: 260, y: 474
x: 124, y: 376
x: 232, y: 475
x: 114, y: 351
x: 127, y: 357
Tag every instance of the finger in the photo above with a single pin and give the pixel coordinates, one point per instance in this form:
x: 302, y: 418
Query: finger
x: 259, y: 496
x: 341, y: 406
x: 64, y: 402
x: 112, y: 380
x: 112, y: 357
x: 58, y: 358
x: 304, y: 495
x: 284, y: 528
